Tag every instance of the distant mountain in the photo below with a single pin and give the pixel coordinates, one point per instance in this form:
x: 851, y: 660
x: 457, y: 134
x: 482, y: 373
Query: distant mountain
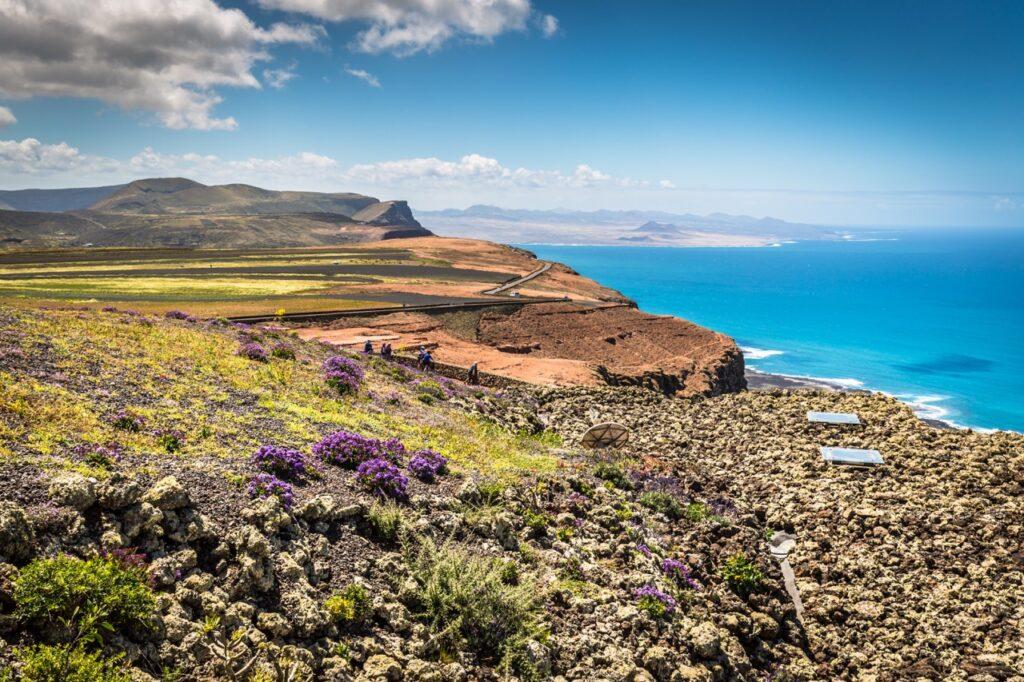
x: 652, y: 227
x: 54, y: 200
x: 182, y: 212
x: 566, y: 226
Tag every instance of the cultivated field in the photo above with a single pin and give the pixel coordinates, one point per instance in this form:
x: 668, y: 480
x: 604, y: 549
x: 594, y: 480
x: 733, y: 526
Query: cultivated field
x: 222, y: 282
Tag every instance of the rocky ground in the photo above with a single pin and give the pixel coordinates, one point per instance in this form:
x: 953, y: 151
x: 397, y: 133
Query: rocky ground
x: 913, y: 570
x: 527, y: 558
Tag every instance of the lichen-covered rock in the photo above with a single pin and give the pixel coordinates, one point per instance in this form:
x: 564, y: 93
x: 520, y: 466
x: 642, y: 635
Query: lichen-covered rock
x: 381, y: 668
x: 16, y: 535
x: 118, y: 492
x: 166, y: 494
x: 73, y: 490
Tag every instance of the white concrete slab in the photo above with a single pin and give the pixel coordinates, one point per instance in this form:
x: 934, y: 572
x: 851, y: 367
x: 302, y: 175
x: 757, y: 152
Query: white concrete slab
x: 851, y: 456
x: 833, y: 418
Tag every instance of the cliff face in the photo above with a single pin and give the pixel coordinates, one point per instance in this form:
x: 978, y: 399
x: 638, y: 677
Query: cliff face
x: 625, y: 346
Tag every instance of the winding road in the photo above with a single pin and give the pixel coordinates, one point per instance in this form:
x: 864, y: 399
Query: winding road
x: 519, y: 281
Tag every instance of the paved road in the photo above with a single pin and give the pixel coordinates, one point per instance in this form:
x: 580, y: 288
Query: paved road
x: 519, y: 281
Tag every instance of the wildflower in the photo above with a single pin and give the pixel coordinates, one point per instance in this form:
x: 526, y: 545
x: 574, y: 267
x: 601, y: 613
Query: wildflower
x: 426, y: 465
x: 283, y: 352
x: 342, y: 374
x: 654, y: 601
x: 679, y: 572
x: 178, y: 315
x: 264, y: 485
x: 382, y: 478
x: 346, y: 448
x: 253, y: 351
x: 128, y: 422
x: 284, y: 462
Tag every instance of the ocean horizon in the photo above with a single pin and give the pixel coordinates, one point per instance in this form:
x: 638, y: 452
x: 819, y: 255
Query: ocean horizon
x: 932, y: 317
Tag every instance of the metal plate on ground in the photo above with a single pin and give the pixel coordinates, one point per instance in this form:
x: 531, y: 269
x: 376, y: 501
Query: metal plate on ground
x: 854, y: 456
x: 605, y: 435
x: 833, y: 418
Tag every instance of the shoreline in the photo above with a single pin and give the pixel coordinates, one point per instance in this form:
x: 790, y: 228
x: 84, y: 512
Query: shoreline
x: 766, y: 381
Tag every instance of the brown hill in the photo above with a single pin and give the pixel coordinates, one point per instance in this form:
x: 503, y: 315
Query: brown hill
x: 182, y: 212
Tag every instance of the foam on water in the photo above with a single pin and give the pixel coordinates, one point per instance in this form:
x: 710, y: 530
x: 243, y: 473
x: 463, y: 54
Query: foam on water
x: 751, y: 353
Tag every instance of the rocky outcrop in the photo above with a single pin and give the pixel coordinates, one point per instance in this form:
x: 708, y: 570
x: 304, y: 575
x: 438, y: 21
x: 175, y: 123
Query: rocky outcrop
x: 625, y: 346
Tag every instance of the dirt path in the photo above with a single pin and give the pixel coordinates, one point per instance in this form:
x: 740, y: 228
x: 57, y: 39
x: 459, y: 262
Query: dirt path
x: 519, y: 281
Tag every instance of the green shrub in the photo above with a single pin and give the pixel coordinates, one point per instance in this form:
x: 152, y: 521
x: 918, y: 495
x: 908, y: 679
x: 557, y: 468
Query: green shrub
x: 489, y: 492
x: 70, y: 598
x: 351, y: 608
x: 431, y: 388
x: 385, y: 520
x: 663, y: 503
x: 698, y: 511
x: 536, y: 521
x: 468, y: 603
x: 64, y: 663
x: 614, y: 475
x: 741, y: 574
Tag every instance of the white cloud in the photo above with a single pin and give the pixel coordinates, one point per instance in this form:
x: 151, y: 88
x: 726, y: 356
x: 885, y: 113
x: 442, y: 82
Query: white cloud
x: 278, y: 78
x: 364, y: 76
x: 32, y: 157
x: 474, y: 169
x: 406, y: 27
x: 548, y: 25
x: 7, y: 117
x: 666, y: 184
x: 1005, y: 204
x: 212, y: 169
x: 161, y: 56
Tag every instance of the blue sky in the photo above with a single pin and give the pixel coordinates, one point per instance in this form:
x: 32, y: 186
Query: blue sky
x: 850, y: 113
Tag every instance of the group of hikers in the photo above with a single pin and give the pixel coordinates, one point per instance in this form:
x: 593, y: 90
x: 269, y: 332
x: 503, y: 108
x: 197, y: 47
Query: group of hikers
x: 424, y: 360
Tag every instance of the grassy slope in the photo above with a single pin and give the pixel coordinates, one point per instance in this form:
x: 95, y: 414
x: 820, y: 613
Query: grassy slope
x: 63, y: 374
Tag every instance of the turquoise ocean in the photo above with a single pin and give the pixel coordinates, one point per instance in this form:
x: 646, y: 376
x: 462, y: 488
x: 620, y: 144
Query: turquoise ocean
x: 934, y: 317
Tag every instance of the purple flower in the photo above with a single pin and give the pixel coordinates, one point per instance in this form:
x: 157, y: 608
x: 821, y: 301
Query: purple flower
x: 426, y: 465
x: 382, y: 478
x: 127, y: 421
x: 679, y: 572
x: 253, y: 351
x: 283, y: 351
x: 343, y: 374
x: 643, y: 549
x: 650, y: 596
x: 170, y: 440
x: 392, y: 449
x: 109, y: 309
x: 178, y: 315
x: 347, y: 449
x: 101, y: 455
x: 287, y: 463
x: 264, y: 485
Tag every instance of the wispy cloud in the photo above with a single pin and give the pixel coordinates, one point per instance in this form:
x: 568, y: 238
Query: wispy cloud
x: 278, y: 78
x: 7, y: 117
x: 405, y: 27
x: 364, y: 76
x: 548, y: 25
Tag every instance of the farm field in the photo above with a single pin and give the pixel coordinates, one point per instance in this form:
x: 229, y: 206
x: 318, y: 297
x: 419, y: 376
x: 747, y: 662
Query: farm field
x: 224, y: 282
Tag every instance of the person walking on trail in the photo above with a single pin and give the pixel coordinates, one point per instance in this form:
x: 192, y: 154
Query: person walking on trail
x: 419, y: 357
x: 385, y: 351
x: 368, y: 347
x: 428, y: 361
x: 474, y: 374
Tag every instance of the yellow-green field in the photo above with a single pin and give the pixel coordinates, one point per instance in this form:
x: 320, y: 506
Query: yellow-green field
x: 188, y: 377
x: 212, y: 283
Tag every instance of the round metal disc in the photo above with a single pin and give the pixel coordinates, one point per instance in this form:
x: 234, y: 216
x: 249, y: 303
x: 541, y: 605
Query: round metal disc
x: 606, y: 435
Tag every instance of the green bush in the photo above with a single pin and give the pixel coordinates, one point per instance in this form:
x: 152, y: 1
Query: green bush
x: 431, y: 388
x: 698, y: 511
x: 468, y: 603
x: 489, y: 492
x: 741, y: 574
x: 663, y: 503
x: 64, y: 663
x: 351, y: 608
x: 385, y: 520
x: 79, y: 599
x: 614, y: 475
x: 536, y: 521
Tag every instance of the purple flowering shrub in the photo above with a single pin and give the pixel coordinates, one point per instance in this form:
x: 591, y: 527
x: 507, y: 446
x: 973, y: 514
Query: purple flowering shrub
x: 264, y: 485
x: 170, y: 440
x: 382, y: 478
x: 177, y: 315
x: 106, y: 456
x: 343, y: 374
x: 346, y: 448
x: 253, y: 351
x: 283, y: 462
x: 654, y: 601
x: 282, y: 351
x: 126, y: 421
x: 392, y: 449
x: 679, y: 572
x: 427, y: 465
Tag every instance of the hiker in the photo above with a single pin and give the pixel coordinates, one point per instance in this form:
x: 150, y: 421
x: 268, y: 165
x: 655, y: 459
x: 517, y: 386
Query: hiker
x: 474, y: 374
x: 427, y: 361
x: 368, y: 347
x: 385, y: 351
x: 419, y: 357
